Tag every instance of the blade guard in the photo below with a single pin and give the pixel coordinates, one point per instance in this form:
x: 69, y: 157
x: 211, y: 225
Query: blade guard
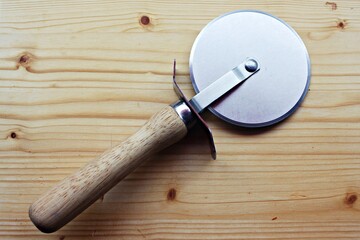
x: 201, y: 121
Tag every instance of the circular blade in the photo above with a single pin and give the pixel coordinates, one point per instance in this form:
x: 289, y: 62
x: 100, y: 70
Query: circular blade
x: 270, y: 95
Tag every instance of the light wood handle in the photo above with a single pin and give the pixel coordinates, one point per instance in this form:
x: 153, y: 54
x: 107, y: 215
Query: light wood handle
x: 75, y: 193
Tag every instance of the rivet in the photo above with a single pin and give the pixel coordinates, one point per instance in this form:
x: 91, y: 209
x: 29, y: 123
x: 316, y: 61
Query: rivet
x: 251, y: 65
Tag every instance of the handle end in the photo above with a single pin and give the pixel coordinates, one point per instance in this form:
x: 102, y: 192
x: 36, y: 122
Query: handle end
x: 41, y: 224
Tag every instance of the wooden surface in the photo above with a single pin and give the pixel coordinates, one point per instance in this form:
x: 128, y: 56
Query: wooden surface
x: 78, y: 77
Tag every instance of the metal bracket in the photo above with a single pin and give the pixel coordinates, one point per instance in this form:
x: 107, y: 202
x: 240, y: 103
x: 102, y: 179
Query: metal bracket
x: 201, y: 121
x: 224, y: 84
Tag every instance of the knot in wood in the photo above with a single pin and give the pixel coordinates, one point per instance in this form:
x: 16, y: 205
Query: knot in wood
x: 350, y: 198
x: 13, y: 135
x: 144, y: 20
x: 341, y: 24
x: 171, y: 195
x: 25, y: 60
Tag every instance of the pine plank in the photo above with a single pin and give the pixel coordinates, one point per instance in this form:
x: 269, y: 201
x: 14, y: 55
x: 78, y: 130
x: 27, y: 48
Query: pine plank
x: 77, y: 77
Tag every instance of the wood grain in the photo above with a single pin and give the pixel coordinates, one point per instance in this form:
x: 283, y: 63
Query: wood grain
x: 77, y: 77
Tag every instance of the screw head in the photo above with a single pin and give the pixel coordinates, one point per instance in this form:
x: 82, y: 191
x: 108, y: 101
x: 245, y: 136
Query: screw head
x: 251, y: 65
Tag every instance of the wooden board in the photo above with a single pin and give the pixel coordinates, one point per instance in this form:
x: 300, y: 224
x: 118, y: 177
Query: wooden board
x: 76, y: 77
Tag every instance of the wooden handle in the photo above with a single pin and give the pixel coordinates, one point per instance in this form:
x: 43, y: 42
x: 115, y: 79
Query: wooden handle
x: 75, y: 193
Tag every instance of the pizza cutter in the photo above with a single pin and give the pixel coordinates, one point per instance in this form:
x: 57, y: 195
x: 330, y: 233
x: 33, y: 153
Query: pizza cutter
x: 248, y: 68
